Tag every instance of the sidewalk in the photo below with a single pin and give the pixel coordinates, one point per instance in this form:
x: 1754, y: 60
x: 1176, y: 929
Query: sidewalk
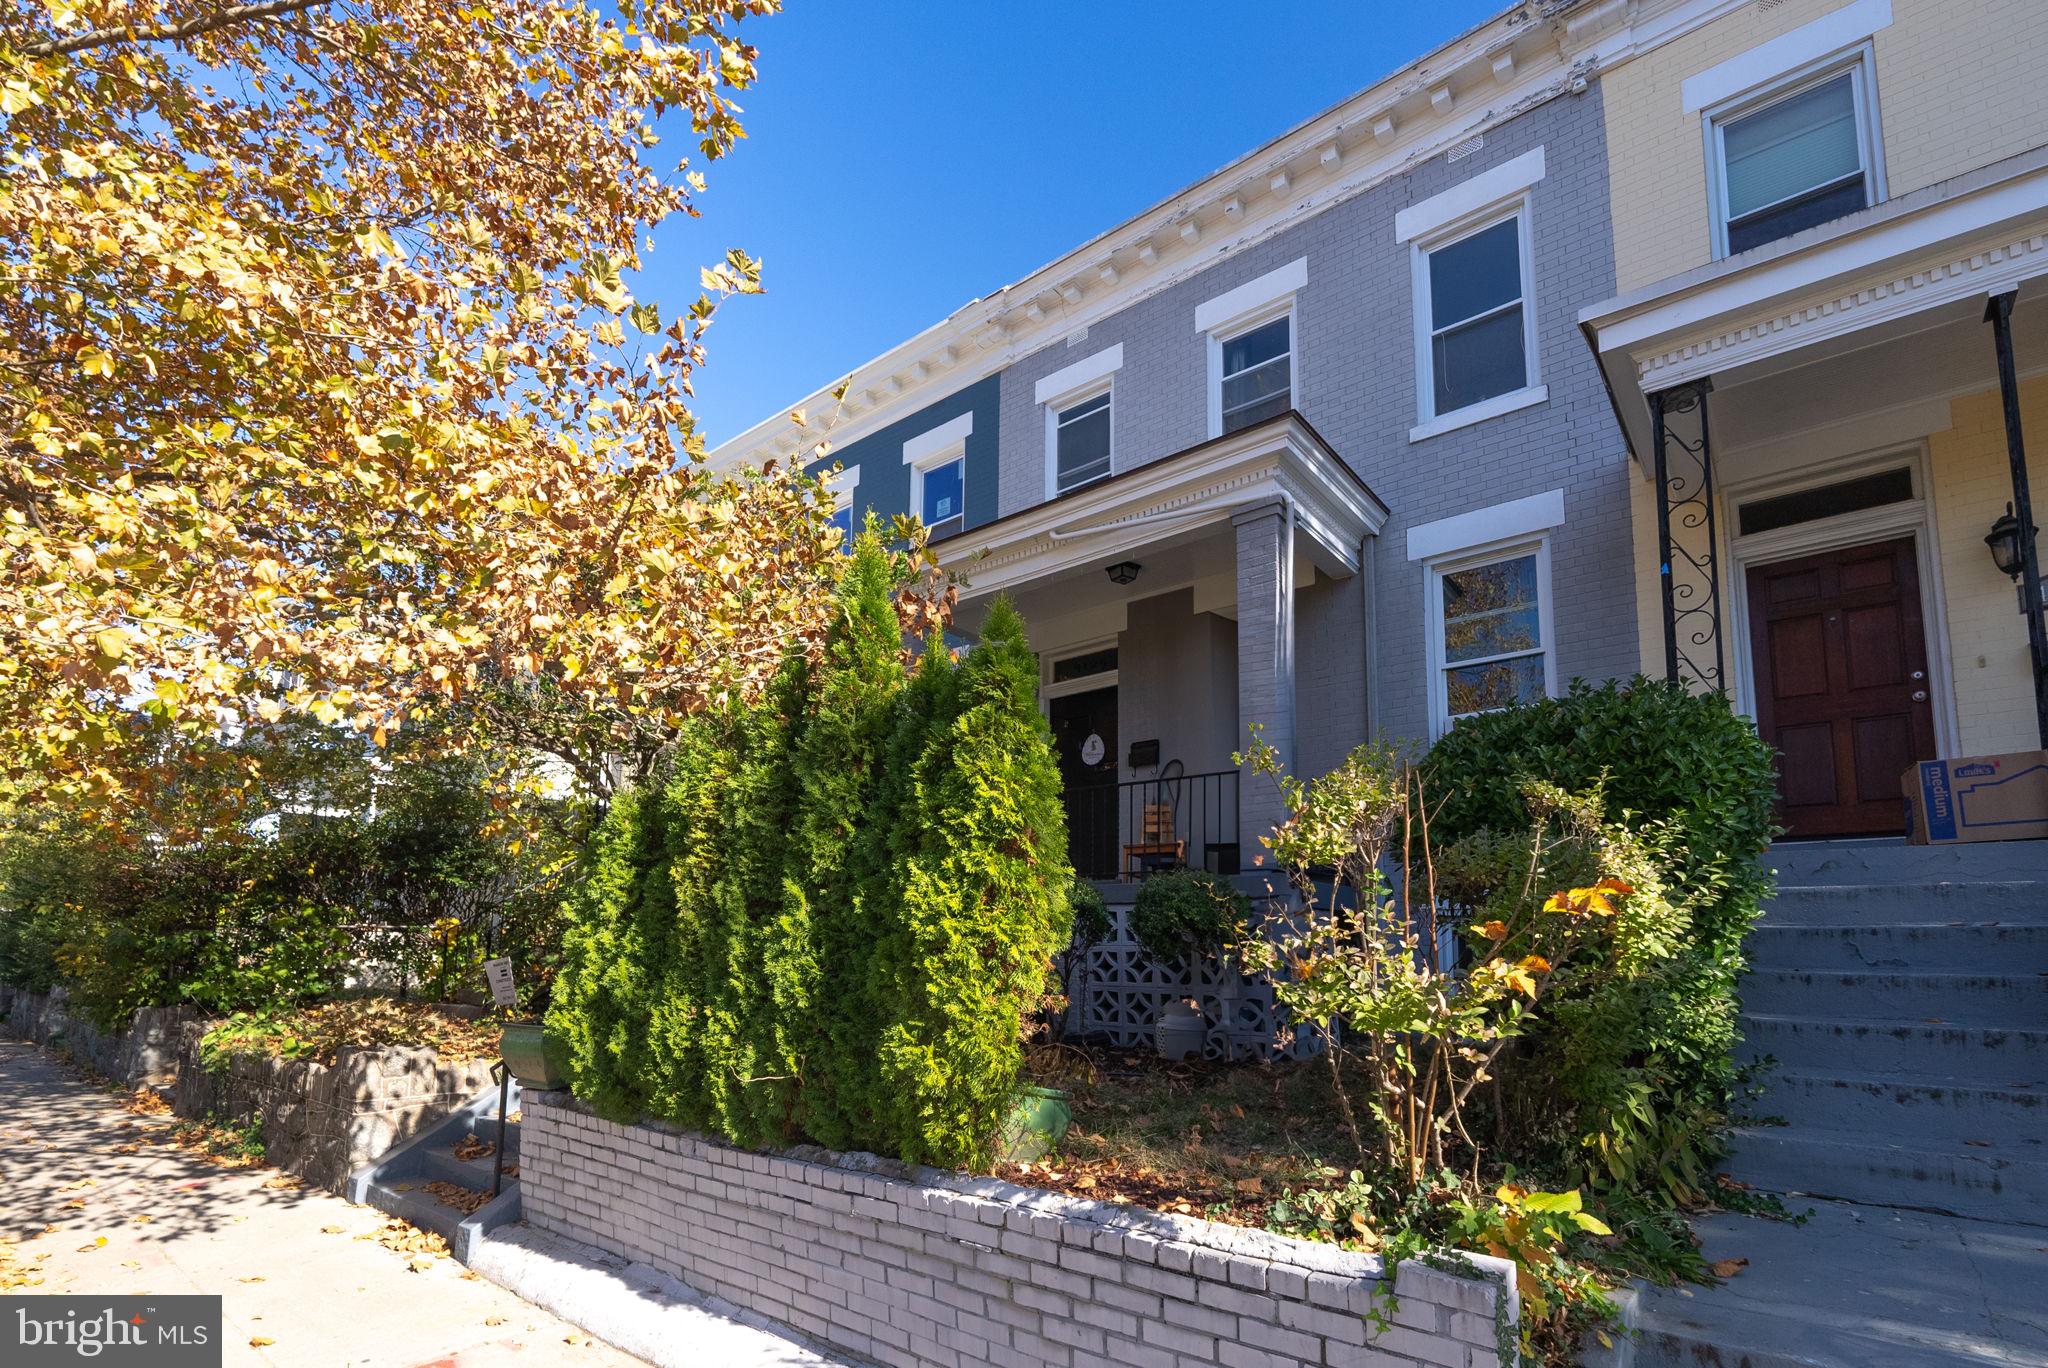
x: 94, y: 1207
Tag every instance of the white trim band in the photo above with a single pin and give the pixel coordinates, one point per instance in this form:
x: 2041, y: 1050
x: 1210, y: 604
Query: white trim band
x: 942, y: 438
x: 1082, y: 373
x: 1825, y: 36
x: 1252, y: 296
x: 1484, y: 526
x: 1487, y: 188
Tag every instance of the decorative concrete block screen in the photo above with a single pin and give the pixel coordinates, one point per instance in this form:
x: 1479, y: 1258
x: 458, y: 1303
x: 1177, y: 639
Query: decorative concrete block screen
x: 1121, y: 987
x: 922, y: 1269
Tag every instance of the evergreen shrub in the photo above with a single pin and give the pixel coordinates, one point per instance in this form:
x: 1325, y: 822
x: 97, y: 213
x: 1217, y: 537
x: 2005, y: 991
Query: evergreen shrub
x: 829, y: 917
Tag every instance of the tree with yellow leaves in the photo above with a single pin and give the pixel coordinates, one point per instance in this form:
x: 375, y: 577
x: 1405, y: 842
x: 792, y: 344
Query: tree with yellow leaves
x: 323, y: 391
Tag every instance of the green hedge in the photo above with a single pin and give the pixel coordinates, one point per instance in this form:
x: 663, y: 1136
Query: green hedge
x: 1642, y: 1068
x: 831, y: 915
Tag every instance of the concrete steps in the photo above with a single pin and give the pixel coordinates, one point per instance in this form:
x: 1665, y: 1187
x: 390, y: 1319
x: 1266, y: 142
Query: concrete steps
x: 1899, y: 996
x: 396, y: 1184
x: 1991, y: 1001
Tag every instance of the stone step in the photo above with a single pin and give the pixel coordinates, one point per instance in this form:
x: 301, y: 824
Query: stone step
x: 1963, y: 947
x: 439, y: 1164
x: 486, y: 1128
x: 2016, y: 902
x: 1851, y: 1287
x: 1990, y: 1183
x: 1910, y: 1109
x: 1987, y: 1000
x: 1893, y: 861
x: 416, y: 1207
x: 1973, y: 1056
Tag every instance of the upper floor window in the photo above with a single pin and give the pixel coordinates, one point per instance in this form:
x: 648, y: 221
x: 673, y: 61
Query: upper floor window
x: 1475, y: 308
x: 1250, y: 334
x: 1081, y: 442
x: 1079, y: 420
x: 1792, y: 156
x: 840, y: 489
x: 1257, y: 374
x: 942, y: 498
x: 938, y: 475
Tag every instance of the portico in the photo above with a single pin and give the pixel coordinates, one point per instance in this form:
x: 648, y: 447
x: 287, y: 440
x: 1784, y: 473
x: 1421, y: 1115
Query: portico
x: 1164, y: 598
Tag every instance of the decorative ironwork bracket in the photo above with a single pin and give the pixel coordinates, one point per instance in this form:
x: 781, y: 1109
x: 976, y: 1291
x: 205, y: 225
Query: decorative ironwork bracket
x: 1688, y: 558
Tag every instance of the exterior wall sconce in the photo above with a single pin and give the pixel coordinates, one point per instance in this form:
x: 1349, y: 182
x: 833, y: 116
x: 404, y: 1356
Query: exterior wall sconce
x: 2004, y: 541
x: 1123, y: 572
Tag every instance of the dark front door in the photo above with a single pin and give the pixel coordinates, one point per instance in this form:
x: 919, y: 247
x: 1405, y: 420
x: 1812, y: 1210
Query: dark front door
x: 1084, y: 735
x: 1841, y: 684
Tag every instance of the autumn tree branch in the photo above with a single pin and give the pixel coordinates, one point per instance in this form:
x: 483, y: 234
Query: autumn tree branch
x: 170, y: 33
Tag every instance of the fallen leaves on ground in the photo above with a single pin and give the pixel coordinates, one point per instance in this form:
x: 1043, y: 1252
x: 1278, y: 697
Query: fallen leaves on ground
x: 421, y: 1247
x: 1727, y: 1268
x: 260, y: 1341
x: 474, y: 1147
x: 321, y: 1032
x: 13, y: 1273
x: 330, y: 1230
x: 464, y: 1200
x: 148, y: 1102
x: 284, y: 1182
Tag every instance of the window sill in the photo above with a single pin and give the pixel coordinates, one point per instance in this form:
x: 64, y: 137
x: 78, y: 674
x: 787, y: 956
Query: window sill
x: 1527, y: 397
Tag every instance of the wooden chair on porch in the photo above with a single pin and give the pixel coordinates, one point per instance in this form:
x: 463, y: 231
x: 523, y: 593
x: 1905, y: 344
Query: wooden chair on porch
x: 1159, y: 844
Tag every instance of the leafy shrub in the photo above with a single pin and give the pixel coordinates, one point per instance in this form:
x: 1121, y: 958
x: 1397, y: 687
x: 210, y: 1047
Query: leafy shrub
x: 1187, y: 911
x: 1635, y: 1067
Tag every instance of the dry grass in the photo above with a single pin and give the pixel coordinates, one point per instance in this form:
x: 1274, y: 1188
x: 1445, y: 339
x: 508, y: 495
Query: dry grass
x: 1215, y: 1140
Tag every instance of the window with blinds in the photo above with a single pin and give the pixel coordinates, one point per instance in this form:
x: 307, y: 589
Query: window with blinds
x: 1800, y: 158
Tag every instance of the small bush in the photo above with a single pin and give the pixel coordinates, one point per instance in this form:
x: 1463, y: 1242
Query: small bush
x: 1182, y: 912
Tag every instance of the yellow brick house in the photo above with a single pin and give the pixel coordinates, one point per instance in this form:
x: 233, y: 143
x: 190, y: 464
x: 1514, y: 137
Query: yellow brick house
x: 1829, y: 352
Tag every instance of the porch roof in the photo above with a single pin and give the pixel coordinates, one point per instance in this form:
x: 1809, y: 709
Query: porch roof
x: 1924, y: 260
x: 1283, y: 459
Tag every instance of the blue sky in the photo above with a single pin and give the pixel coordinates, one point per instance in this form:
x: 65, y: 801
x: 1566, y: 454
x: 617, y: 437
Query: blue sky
x: 904, y: 158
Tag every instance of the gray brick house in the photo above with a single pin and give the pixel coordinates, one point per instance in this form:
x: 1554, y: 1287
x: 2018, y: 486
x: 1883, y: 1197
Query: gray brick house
x: 1315, y: 445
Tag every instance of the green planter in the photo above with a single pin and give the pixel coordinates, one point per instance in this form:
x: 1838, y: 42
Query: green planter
x: 533, y: 1055
x: 1036, y: 1124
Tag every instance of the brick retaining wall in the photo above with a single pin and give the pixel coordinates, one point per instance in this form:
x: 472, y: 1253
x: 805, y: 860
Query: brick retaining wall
x: 915, y: 1268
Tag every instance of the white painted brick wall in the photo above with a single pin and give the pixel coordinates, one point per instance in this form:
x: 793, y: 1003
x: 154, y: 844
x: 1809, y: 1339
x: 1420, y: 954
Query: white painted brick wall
x: 924, y: 1269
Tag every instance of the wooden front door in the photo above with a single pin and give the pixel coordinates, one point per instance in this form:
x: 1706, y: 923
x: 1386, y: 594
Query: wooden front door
x: 1084, y: 739
x: 1840, y: 654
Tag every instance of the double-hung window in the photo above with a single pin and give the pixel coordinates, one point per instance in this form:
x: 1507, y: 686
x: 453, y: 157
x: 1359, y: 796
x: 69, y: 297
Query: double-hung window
x: 1792, y: 156
x: 1257, y: 375
x: 1081, y: 442
x: 1477, y: 315
x: 840, y: 489
x: 1080, y: 428
x: 938, y: 475
x: 1490, y: 629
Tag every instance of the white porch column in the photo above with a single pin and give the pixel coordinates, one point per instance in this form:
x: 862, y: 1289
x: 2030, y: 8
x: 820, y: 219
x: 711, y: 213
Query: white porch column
x: 1265, y: 661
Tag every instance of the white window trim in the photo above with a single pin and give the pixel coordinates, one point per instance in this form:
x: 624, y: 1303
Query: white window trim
x: 1071, y: 385
x: 1853, y: 23
x: 840, y: 489
x: 1475, y: 195
x: 1859, y: 61
x: 942, y: 446
x: 1433, y: 624
x: 1516, y: 520
x: 1430, y: 423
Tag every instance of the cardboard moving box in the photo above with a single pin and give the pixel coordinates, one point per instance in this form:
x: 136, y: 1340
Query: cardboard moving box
x: 1977, y: 798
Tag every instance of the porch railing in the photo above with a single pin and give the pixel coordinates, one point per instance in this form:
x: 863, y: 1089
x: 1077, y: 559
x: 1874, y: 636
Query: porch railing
x: 1129, y: 829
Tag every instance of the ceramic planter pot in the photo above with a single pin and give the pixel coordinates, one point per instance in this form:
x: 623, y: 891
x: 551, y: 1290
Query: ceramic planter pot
x: 1036, y: 1124
x: 1179, y: 1031
x: 533, y: 1056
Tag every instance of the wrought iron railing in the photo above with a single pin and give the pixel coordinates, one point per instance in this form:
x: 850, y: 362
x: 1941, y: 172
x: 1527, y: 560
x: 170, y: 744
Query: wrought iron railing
x: 1129, y: 829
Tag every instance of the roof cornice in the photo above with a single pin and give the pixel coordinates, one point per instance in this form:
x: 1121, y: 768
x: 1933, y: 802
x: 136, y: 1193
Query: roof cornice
x: 1521, y: 58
